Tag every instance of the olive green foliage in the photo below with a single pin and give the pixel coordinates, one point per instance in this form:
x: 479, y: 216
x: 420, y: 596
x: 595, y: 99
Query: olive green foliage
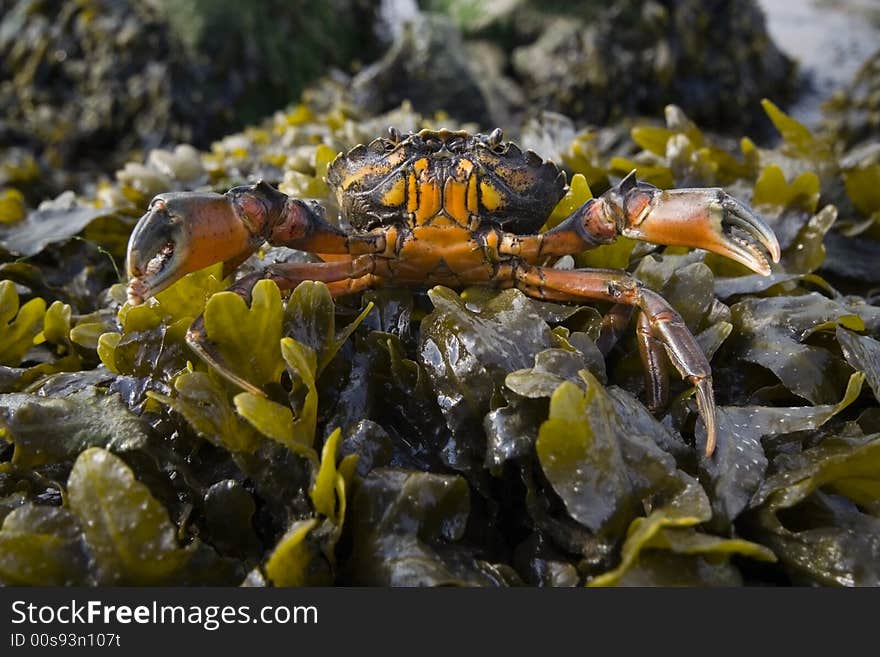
x: 852, y: 114
x: 458, y: 437
x: 19, y: 324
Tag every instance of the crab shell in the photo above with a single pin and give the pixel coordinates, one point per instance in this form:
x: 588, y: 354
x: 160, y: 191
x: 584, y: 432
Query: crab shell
x: 469, y: 178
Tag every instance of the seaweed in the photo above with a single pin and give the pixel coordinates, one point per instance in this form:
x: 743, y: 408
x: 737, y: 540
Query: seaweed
x: 432, y: 437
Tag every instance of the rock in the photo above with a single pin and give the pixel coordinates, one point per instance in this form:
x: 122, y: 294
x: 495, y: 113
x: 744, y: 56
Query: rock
x: 426, y: 65
x: 714, y: 59
x: 853, y: 115
x: 87, y: 86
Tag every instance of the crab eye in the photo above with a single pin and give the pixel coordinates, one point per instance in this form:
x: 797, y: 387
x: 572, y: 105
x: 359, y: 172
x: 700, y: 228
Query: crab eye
x: 494, y: 142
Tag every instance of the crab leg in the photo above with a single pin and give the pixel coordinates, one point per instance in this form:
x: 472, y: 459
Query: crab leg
x: 661, y: 321
x: 342, y: 277
x: 656, y: 376
x: 613, y: 325
x: 184, y: 232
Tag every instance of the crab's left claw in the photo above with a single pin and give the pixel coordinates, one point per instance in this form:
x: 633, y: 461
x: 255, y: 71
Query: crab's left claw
x: 183, y: 232
x: 707, y: 219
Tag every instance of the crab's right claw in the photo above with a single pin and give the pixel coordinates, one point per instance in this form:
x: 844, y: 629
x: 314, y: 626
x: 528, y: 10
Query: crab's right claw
x: 707, y: 219
x: 183, y: 232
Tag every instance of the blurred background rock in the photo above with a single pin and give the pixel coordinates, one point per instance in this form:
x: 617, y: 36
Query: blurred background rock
x: 86, y: 85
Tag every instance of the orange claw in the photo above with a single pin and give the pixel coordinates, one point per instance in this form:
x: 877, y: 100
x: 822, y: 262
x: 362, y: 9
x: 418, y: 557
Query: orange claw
x: 179, y: 234
x: 707, y: 219
x: 183, y: 232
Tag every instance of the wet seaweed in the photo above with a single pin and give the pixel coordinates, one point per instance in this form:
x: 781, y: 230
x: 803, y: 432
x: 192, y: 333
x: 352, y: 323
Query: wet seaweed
x: 470, y: 437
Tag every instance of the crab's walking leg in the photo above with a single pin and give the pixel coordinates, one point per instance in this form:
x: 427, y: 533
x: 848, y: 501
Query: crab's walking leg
x: 613, y: 326
x: 351, y: 286
x: 343, y: 277
x: 651, y: 352
x: 660, y: 323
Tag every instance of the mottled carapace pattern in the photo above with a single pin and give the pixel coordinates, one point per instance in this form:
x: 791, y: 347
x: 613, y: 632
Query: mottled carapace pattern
x: 445, y: 178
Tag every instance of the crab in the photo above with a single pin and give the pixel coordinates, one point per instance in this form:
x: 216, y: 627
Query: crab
x: 442, y: 207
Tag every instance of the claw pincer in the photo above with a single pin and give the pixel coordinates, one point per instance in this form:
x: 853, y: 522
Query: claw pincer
x: 708, y: 219
x: 183, y: 232
x: 179, y: 234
